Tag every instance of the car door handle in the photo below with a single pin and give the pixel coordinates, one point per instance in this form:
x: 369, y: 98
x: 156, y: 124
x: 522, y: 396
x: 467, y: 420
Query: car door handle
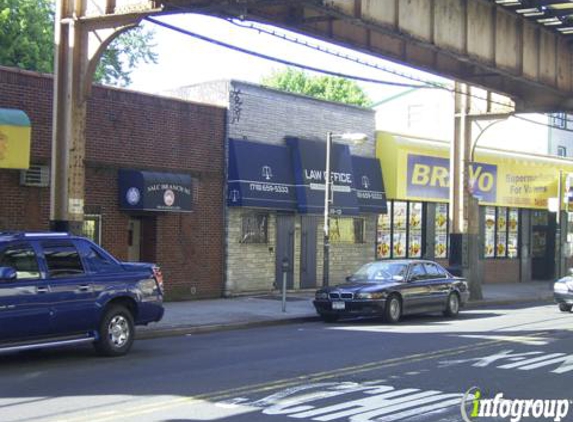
x: 84, y: 287
x: 42, y: 290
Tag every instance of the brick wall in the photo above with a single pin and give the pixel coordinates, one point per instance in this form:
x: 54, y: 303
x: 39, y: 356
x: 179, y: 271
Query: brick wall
x: 501, y: 270
x: 132, y: 130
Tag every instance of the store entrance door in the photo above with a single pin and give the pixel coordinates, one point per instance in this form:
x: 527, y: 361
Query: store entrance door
x: 134, y: 240
x: 141, y: 239
x: 309, y: 225
x: 543, y: 228
x: 284, y: 249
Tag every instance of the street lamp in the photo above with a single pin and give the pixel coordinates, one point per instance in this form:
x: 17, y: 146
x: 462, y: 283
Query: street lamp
x: 355, y: 138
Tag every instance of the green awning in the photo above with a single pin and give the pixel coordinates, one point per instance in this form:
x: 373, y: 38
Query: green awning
x: 13, y: 117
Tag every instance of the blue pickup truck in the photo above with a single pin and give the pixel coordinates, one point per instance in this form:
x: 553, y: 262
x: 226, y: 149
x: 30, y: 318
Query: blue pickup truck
x: 59, y: 289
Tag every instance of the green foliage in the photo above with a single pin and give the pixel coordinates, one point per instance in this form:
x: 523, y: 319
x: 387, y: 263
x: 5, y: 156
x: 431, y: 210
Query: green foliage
x: 27, y: 42
x: 123, y: 55
x: 27, y: 34
x: 324, y: 87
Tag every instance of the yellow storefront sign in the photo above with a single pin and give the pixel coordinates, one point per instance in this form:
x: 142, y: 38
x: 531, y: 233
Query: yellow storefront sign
x: 419, y: 170
x: 15, y: 134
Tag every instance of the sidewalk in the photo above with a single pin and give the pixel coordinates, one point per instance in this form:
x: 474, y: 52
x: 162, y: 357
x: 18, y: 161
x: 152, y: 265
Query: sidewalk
x: 201, y: 316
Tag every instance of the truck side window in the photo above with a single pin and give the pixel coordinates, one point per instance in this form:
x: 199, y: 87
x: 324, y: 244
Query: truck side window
x: 63, y: 259
x: 23, y: 259
x: 99, y: 262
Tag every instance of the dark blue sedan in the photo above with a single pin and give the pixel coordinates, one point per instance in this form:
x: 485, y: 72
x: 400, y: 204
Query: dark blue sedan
x: 392, y: 289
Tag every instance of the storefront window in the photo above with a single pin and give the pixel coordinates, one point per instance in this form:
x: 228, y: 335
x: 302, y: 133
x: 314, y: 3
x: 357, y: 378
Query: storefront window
x: 346, y: 230
x: 254, y: 228
x: 384, y: 235
x: 513, y: 234
x: 92, y: 227
x: 441, y: 231
x: 400, y: 228
x: 501, y: 232
x: 399, y: 233
x: 415, y: 230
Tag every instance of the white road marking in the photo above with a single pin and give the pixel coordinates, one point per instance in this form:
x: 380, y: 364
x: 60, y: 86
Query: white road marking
x: 378, y: 402
x: 530, y: 361
x: 433, y: 408
x: 530, y: 341
x: 522, y: 361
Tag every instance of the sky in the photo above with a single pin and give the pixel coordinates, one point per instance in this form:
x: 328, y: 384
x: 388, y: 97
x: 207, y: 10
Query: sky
x: 184, y: 60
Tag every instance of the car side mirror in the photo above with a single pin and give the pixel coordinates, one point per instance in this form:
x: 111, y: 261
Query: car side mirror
x: 7, y: 274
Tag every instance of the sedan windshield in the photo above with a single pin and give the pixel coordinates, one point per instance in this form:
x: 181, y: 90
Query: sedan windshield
x: 376, y: 271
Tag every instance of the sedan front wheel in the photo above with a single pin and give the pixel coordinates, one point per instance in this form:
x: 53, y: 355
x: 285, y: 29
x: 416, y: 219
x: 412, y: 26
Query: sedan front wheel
x: 393, y: 311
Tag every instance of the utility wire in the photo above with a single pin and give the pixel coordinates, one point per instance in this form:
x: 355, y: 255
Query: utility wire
x: 426, y: 84
x: 285, y: 37
x: 541, y: 124
x: 279, y: 60
x: 297, y: 41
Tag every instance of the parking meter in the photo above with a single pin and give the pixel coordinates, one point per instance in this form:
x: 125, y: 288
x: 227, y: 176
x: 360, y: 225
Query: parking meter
x: 285, y: 267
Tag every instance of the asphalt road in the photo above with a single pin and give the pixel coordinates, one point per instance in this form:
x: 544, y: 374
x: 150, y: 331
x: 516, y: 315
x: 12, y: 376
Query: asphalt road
x: 356, y: 371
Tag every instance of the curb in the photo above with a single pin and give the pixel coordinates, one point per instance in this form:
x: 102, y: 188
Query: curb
x: 150, y: 333
x: 153, y: 333
x: 484, y: 303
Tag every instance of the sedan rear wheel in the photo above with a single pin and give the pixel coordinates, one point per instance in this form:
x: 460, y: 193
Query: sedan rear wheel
x: 563, y: 307
x: 393, y: 311
x: 453, y: 305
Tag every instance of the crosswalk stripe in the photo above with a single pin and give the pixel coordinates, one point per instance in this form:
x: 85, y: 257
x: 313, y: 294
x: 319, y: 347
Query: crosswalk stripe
x: 369, y: 416
x: 526, y: 362
x: 365, y: 409
x: 421, y: 410
x: 360, y: 402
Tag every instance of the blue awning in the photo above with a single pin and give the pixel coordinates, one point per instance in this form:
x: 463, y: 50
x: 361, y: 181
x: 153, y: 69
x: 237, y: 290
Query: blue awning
x: 309, y: 159
x: 153, y: 191
x: 260, y: 175
x: 369, y: 185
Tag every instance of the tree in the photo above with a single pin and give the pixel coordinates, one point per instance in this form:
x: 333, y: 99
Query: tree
x: 27, y: 42
x: 27, y: 34
x: 324, y: 87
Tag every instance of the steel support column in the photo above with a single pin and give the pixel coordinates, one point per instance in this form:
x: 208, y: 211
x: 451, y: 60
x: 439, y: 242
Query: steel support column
x: 80, y: 40
x: 464, y: 208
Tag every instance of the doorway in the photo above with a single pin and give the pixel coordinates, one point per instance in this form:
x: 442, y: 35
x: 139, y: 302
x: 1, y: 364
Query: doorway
x: 134, y: 240
x: 543, y: 226
x: 284, y: 249
x: 141, y: 239
x: 309, y: 225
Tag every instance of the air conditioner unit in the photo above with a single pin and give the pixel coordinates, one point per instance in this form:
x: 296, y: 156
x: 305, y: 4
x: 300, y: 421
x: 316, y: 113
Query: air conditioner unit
x: 36, y: 176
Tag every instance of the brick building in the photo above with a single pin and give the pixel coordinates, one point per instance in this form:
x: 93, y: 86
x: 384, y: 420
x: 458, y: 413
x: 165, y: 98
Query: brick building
x: 268, y: 130
x: 156, y: 139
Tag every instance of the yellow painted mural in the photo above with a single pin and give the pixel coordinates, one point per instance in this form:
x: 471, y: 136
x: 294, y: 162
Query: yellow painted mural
x: 15, y: 134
